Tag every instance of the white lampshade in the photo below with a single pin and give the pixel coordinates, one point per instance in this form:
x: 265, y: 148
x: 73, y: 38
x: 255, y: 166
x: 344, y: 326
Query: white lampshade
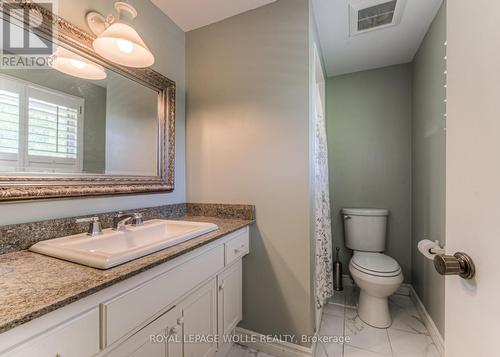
x: 122, y: 44
x: 75, y: 65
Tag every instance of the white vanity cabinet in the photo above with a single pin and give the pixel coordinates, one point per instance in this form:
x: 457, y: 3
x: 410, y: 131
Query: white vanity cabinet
x: 124, y: 313
x: 176, y: 332
x: 199, y: 321
x: 161, y: 338
x: 177, y: 309
x: 187, y: 330
x: 229, y: 298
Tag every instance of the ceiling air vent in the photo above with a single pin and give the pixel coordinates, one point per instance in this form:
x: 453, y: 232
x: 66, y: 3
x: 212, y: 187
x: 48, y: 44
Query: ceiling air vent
x: 369, y: 15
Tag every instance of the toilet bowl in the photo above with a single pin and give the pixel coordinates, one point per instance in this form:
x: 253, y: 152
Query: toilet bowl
x: 378, y: 276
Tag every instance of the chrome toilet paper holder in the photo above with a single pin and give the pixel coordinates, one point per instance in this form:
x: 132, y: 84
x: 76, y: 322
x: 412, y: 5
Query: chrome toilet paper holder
x: 430, y: 249
x: 458, y: 264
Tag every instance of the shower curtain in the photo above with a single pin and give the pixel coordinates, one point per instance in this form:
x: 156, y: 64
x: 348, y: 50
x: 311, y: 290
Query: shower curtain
x: 322, y: 217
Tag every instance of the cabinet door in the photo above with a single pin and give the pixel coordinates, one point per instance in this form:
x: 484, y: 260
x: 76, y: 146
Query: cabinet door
x: 161, y: 338
x: 199, y: 320
x: 172, y: 347
x: 230, y: 298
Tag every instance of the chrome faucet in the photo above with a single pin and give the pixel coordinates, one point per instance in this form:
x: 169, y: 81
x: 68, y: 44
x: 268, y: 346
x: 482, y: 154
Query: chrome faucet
x: 121, y: 219
x: 94, y: 227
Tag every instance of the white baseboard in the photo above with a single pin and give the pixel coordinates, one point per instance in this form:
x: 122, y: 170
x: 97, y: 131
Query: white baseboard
x: 257, y: 342
x: 428, y: 322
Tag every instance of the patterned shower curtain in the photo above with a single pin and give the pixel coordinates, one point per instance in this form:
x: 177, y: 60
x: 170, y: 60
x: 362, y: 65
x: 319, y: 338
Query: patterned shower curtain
x: 323, y: 224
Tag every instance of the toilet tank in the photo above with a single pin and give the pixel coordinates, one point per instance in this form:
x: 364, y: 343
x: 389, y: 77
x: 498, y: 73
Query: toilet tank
x: 365, y: 229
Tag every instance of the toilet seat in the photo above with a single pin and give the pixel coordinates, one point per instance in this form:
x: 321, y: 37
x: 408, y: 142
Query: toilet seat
x: 375, y: 264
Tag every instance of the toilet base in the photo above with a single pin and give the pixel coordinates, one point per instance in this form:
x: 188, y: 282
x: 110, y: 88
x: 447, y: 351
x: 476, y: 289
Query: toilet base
x: 374, y: 310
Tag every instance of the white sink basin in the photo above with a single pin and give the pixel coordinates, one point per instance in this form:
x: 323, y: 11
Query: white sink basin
x: 114, y: 248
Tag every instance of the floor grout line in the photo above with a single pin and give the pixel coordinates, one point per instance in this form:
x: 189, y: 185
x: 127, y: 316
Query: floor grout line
x: 390, y: 343
x: 412, y: 332
x: 367, y: 350
x: 372, y: 352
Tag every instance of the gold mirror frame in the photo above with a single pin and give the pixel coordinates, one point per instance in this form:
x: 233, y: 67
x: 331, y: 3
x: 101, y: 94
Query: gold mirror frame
x: 15, y: 188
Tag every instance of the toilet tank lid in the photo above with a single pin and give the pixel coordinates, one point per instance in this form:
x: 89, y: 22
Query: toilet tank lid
x: 365, y: 211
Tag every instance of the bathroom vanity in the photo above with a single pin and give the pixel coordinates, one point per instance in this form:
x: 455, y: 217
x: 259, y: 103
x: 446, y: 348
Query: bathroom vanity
x: 177, y: 302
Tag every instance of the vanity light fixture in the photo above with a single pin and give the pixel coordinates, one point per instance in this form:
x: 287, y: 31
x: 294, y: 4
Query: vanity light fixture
x: 77, y: 66
x: 117, y: 40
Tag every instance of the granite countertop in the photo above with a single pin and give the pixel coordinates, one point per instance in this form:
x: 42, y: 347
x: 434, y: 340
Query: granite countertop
x: 32, y: 285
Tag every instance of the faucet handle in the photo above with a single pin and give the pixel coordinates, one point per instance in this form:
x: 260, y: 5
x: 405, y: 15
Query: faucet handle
x: 140, y: 212
x: 94, y: 227
x: 87, y: 219
x: 138, y: 218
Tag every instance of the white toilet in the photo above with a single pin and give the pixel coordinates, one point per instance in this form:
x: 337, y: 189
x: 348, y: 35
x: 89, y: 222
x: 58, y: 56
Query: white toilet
x: 377, y: 275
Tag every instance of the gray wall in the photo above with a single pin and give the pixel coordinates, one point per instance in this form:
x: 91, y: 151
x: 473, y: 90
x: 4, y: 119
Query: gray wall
x: 369, y: 138
x: 429, y: 158
x: 131, y: 128
x: 247, y: 135
x: 95, y: 110
x: 167, y: 42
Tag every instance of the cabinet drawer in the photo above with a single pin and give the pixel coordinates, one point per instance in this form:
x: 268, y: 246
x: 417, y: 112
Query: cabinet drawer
x: 76, y: 338
x: 237, y: 246
x: 130, y: 310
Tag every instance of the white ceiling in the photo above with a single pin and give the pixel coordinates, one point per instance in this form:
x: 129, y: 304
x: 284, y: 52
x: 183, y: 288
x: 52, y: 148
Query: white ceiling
x: 384, y: 47
x: 193, y: 14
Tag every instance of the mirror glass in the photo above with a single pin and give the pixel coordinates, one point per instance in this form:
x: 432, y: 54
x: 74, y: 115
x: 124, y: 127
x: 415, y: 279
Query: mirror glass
x: 76, y: 117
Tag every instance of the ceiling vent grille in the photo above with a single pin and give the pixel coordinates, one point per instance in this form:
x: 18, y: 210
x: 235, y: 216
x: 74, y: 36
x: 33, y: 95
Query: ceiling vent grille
x: 370, y: 15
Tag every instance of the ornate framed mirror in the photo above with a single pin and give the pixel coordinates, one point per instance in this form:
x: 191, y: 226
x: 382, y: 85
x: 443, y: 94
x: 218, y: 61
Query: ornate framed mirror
x: 70, y: 136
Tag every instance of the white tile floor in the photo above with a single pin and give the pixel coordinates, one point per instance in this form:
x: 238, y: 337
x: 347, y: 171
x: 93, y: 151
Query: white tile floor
x: 240, y: 351
x: 407, y: 337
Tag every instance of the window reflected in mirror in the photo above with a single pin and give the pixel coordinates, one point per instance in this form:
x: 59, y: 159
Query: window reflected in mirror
x: 52, y: 122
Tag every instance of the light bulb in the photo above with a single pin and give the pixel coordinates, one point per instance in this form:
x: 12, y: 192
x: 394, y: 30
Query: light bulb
x: 125, y: 46
x: 77, y: 63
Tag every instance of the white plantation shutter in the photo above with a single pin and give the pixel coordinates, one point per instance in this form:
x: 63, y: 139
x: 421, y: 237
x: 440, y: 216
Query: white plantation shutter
x: 11, y: 103
x: 40, y: 129
x: 9, y: 122
x: 53, y: 130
